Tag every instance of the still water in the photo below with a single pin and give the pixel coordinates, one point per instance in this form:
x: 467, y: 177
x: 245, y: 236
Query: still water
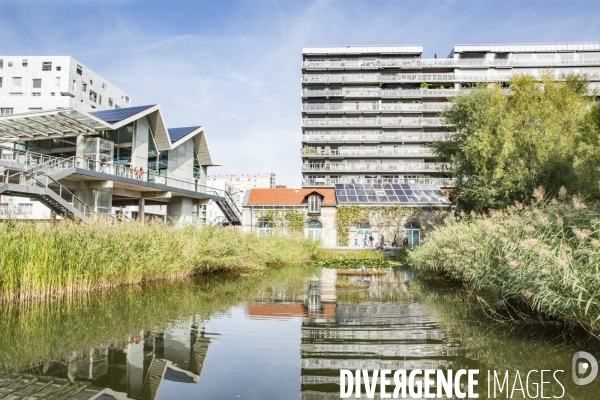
x: 283, y: 334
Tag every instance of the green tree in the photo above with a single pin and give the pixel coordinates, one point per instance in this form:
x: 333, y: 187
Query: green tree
x: 509, y: 143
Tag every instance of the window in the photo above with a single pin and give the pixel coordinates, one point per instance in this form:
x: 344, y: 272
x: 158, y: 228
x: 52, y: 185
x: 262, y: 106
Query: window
x: 58, y: 68
x: 110, y: 102
x: 79, y: 69
x: 10, y: 63
x: 1, y: 64
x: 83, y: 87
x: 26, y: 209
x: 52, y: 94
x: 265, y: 228
x: 0, y: 81
x: 74, y: 85
x: 363, y: 232
x: 91, y: 82
x: 37, y: 83
x: 6, y: 111
x: 46, y: 66
x: 14, y: 94
x: 314, y: 204
x: 24, y: 62
x: 126, y: 99
x: 57, y: 81
x: 116, y: 106
x: 100, y: 99
x: 314, y: 230
x: 413, y: 234
x: 104, y: 87
x: 93, y: 96
x: 36, y: 94
x: 16, y: 81
x: 35, y: 108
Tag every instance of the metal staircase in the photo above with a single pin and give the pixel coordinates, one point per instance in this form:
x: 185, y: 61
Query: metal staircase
x: 229, y: 209
x: 38, y: 183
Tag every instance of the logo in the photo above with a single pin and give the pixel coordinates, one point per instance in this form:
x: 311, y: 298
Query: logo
x: 580, y: 368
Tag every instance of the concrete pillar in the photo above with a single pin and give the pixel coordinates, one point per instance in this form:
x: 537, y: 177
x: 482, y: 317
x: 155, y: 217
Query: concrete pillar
x: 79, y: 151
x: 141, y: 213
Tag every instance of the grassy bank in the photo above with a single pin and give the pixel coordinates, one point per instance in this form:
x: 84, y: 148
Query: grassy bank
x: 66, y: 257
x: 545, y: 257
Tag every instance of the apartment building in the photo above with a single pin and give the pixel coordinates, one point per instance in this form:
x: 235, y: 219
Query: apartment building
x: 34, y: 83
x: 238, y: 186
x: 370, y: 113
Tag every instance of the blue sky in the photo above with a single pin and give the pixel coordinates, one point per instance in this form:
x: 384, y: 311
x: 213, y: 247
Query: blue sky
x: 234, y: 66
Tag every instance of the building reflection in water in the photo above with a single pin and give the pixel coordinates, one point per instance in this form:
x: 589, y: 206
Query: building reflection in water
x: 133, y: 369
x: 379, y: 328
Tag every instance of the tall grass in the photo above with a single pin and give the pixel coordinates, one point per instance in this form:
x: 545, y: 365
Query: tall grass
x: 546, y: 257
x: 67, y: 257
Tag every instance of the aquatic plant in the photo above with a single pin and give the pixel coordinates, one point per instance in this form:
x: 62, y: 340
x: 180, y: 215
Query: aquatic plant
x: 43, y: 260
x: 544, y: 257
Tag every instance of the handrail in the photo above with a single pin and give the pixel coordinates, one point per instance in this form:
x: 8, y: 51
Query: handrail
x: 27, y: 157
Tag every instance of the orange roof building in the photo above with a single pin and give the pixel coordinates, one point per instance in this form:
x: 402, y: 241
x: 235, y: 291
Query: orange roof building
x: 289, y: 197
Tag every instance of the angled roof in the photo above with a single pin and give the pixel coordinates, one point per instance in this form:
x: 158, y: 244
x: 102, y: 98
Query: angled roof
x: 179, y: 133
x: 119, y: 114
x: 289, y: 197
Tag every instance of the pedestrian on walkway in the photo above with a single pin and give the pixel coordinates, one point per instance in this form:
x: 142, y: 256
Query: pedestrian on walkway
x: 365, y: 241
x: 90, y: 162
x: 141, y: 173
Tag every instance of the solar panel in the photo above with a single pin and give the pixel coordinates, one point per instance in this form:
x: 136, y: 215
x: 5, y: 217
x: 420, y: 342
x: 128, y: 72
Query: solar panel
x: 119, y: 114
x: 177, y: 133
x: 409, y: 194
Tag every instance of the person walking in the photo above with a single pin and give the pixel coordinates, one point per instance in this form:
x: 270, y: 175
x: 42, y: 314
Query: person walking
x: 136, y: 173
x: 356, y: 242
x: 365, y: 241
x: 27, y: 158
x: 102, y: 164
x: 371, y: 240
x: 141, y: 173
x: 130, y: 176
x: 394, y: 243
x: 382, y: 242
x: 90, y: 162
x: 405, y: 241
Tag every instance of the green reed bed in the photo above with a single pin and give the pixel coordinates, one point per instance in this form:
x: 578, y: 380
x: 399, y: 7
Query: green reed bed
x: 545, y: 257
x: 42, y: 260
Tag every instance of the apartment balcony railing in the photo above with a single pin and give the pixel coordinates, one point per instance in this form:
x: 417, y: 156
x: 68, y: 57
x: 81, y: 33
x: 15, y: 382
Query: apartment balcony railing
x: 444, y: 62
x: 416, y: 78
x: 375, y: 107
x: 444, y: 182
x: 374, y: 121
x: 377, y: 92
x: 374, y: 167
x: 366, y: 152
x: 376, y: 137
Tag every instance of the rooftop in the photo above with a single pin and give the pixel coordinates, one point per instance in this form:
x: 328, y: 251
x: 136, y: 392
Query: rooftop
x: 292, y: 197
x: 179, y: 133
x: 371, y: 49
x: 119, y: 114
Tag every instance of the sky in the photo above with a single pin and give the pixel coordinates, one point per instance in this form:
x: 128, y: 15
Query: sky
x: 233, y: 66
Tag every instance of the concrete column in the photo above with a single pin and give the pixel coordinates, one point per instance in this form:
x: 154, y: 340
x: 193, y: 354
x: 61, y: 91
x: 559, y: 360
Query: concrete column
x: 79, y: 151
x: 141, y: 213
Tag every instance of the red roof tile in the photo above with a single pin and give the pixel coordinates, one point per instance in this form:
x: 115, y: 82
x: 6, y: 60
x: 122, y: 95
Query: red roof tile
x: 289, y: 196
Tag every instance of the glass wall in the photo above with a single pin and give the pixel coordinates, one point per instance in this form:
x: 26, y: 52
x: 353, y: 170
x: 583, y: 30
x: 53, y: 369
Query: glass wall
x: 64, y: 147
x: 99, y: 154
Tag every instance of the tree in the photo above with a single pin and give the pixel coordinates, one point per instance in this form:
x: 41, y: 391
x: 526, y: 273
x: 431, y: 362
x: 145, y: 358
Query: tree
x: 509, y: 143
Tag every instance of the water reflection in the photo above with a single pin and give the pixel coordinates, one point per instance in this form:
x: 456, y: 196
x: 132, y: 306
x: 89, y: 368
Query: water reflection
x: 283, y: 336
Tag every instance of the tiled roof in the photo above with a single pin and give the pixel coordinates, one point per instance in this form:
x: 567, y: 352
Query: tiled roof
x: 289, y: 196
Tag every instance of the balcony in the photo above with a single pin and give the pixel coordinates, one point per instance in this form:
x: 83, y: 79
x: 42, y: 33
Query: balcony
x: 374, y: 121
x: 418, y: 78
x: 373, y: 107
x: 442, y: 182
x: 443, y: 62
x: 378, y: 93
x: 345, y: 136
x: 374, y: 167
x: 368, y: 152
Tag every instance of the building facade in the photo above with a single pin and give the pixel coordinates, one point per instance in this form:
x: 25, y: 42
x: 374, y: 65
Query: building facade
x: 369, y: 113
x: 34, y: 83
x: 238, y: 186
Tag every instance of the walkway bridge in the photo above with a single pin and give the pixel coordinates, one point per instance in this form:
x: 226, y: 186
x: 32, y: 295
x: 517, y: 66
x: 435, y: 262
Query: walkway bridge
x: 53, y: 181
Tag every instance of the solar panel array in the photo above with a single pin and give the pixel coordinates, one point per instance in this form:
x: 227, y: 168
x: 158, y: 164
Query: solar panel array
x: 390, y: 193
x: 178, y: 133
x: 119, y: 114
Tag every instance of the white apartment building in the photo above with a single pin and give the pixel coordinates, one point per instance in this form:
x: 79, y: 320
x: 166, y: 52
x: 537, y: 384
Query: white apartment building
x: 33, y: 83
x: 370, y: 112
x: 238, y: 185
x: 36, y: 83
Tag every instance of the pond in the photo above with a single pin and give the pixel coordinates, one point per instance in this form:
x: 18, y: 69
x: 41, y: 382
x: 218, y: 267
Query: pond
x: 281, y: 334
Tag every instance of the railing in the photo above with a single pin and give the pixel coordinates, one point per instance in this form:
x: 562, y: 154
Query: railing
x: 424, y: 152
x: 445, y: 62
x: 376, y: 137
x: 10, y: 154
x: 374, y: 167
x: 374, y: 121
x: 332, y: 181
x: 377, y: 92
x: 383, y: 107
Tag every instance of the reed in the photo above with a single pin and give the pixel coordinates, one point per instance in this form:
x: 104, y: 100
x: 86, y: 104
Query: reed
x: 545, y: 258
x: 66, y: 257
